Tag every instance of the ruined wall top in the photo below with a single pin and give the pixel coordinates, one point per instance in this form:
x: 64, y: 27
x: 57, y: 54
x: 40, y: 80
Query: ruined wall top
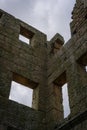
x: 82, y: 1
x: 79, y: 16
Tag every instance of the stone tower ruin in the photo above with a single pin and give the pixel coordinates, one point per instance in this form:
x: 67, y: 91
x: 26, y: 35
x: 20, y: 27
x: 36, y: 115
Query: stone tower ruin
x: 44, y: 66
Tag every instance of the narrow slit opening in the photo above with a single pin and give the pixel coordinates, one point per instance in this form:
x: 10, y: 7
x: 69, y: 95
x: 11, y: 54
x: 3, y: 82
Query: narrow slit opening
x: 62, y: 96
x: 65, y: 102
x: 86, y: 68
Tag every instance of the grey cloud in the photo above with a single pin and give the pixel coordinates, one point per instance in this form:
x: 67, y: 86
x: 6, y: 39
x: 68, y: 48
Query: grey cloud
x: 48, y: 16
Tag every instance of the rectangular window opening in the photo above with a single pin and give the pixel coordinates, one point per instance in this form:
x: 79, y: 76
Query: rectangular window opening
x: 86, y: 68
x: 65, y: 102
x: 25, y: 35
x: 22, y: 90
x: 24, y: 39
x: 21, y: 94
x: 61, y: 83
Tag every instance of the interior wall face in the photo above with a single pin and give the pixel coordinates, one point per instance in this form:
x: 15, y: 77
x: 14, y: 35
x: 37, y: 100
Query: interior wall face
x: 44, y: 66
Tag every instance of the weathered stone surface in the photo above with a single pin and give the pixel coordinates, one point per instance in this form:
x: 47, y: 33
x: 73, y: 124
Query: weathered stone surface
x: 45, y: 66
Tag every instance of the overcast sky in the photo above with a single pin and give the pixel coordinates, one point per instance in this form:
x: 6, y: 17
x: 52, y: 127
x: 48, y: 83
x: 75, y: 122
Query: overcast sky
x: 49, y: 16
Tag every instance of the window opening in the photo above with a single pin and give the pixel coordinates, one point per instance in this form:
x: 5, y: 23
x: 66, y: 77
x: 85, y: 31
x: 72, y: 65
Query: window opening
x: 21, y: 94
x: 62, y: 90
x: 22, y: 90
x: 86, y: 68
x: 25, y: 35
x: 24, y: 39
x: 65, y: 101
